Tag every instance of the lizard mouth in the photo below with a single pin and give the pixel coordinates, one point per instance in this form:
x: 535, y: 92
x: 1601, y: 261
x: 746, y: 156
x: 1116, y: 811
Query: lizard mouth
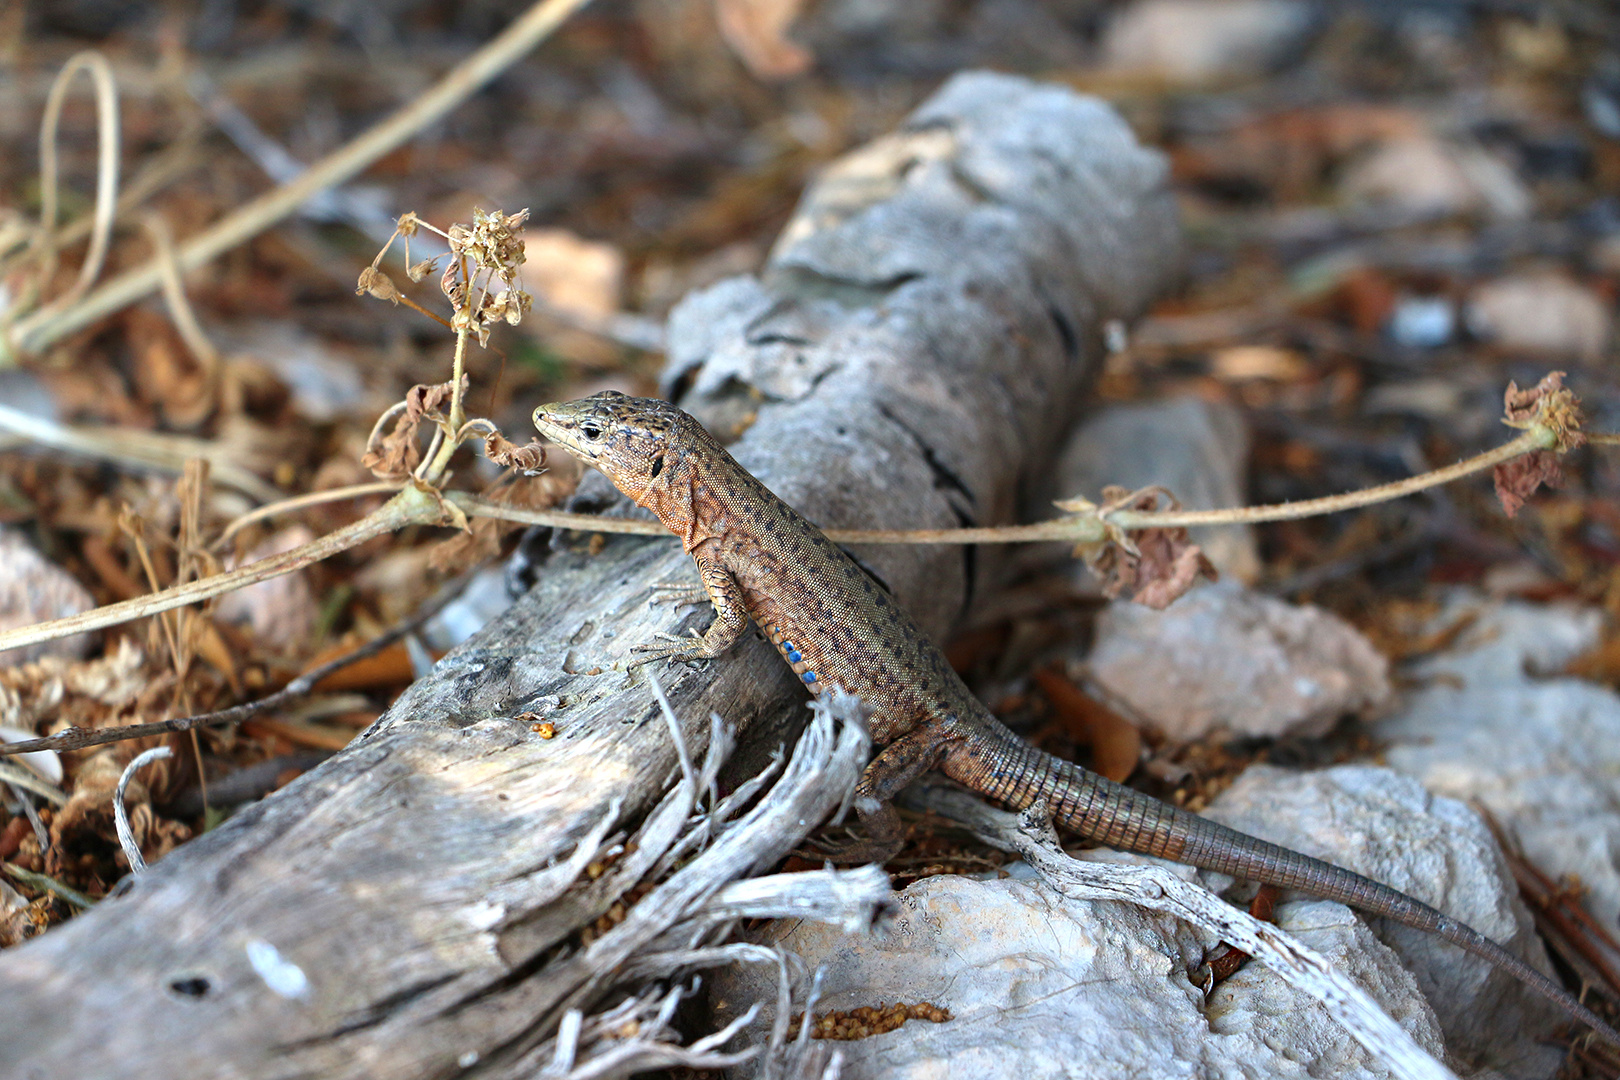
x: 561, y: 430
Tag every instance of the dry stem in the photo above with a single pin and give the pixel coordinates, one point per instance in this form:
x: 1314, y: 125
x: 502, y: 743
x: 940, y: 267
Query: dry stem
x: 410, y: 507
x: 43, y: 328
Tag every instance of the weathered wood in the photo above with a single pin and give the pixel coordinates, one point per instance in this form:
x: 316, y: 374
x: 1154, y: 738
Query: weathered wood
x: 917, y: 343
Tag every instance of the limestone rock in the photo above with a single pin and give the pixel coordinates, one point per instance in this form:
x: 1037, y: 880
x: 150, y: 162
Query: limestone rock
x: 1223, y: 658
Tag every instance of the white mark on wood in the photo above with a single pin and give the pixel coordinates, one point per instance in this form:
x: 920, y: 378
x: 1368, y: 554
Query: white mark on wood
x: 282, y: 976
x: 483, y: 915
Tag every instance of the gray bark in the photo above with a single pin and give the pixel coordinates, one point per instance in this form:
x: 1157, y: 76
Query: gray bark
x: 915, y: 346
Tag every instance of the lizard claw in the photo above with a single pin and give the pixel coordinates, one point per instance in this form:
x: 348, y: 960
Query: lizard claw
x: 678, y: 593
x: 854, y: 851
x: 671, y: 647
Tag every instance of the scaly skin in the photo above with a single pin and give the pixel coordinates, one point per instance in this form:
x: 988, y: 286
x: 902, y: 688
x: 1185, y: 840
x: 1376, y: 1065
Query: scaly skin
x: 758, y: 558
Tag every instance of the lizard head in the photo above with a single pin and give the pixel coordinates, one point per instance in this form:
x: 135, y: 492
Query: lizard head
x: 625, y: 437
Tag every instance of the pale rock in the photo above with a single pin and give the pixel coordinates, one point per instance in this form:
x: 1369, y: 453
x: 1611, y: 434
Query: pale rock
x: 33, y: 590
x: 1226, y: 659
x: 1192, y: 41
x: 281, y: 611
x: 1424, y: 175
x: 572, y: 274
x: 1198, y: 450
x: 1387, y: 827
x: 1042, y: 986
x: 1542, y: 753
x: 1544, y: 313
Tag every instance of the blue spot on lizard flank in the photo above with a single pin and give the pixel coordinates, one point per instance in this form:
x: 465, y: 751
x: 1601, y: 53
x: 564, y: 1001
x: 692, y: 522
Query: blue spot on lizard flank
x: 809, y: 676
x: 794, y: 656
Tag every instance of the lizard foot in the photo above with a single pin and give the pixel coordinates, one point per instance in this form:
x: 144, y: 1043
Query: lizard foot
x: 884, y: 836
x: 672, y: 647
x: 679, y: 593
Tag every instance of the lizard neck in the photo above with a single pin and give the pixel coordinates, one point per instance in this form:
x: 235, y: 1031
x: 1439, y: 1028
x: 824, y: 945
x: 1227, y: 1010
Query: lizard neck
x: 682, y: 500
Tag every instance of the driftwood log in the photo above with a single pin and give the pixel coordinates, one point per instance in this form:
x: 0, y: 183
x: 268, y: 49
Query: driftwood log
x: 917, y: 343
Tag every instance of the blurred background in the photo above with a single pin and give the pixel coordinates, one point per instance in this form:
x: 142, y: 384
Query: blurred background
x: 1392, y: 209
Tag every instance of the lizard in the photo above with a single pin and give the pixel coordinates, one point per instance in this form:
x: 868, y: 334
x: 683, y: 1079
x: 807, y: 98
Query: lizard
x: 759, y: 559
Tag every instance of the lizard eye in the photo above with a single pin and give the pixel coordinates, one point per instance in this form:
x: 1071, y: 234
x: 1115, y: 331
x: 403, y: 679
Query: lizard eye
x: 590, y: 429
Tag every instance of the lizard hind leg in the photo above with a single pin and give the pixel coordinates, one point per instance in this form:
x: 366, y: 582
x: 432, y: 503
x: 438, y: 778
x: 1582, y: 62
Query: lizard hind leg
x: 899, y: 763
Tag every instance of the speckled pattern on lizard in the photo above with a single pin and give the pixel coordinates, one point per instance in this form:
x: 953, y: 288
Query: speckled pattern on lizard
x: 759, y: 558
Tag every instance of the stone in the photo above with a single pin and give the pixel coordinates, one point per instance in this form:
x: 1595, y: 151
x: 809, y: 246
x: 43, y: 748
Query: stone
x: 1488, y: 722
x: 33, y: 590
x: 1224, y: 659
x: 1193, y: 41
x: 1542, y: 313
x: 1042, y: 986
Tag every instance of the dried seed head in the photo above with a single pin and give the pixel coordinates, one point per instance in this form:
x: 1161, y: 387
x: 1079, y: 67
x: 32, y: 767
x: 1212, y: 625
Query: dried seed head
x: 376, y: 283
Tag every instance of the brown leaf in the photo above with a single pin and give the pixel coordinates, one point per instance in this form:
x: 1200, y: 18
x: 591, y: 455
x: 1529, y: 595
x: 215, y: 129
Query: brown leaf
x: 1156, y: 565
x: 424, y: 399
x: 501, y: 450
x: 394, y: 456
x: 1518, y: 479
x: 756, y: 30
x: 1169, y: 566
x: 1116, y: 745
x: 1521, y: 405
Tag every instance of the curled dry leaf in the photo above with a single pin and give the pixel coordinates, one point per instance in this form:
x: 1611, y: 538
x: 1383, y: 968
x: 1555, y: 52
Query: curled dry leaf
x: 395, y: 456
x: 1547, y: 405
x: 502, y: 451
x: 1519, y: 479
x: 1156, y: 565
x: 756, y: 30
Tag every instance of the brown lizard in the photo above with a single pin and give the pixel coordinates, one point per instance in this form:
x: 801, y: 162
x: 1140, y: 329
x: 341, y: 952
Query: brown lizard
x: 758, y: 558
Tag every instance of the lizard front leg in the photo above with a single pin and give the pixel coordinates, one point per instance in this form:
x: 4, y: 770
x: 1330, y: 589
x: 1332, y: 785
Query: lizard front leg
x: 730, y: 619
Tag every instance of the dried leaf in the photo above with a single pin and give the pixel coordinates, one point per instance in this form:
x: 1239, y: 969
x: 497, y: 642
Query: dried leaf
x: 756, y: 30
x: 1170, y: 570
x: 502, y: 451
x: 1156, y: 565
x: 1116, y: 745
x: 1520, y: 406
x: 1518, y: 479
x: 424, y: 399
x: 395, y: 455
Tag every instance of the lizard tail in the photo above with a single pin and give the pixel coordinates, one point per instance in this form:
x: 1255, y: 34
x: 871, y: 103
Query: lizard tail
x: 1012, y: 771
